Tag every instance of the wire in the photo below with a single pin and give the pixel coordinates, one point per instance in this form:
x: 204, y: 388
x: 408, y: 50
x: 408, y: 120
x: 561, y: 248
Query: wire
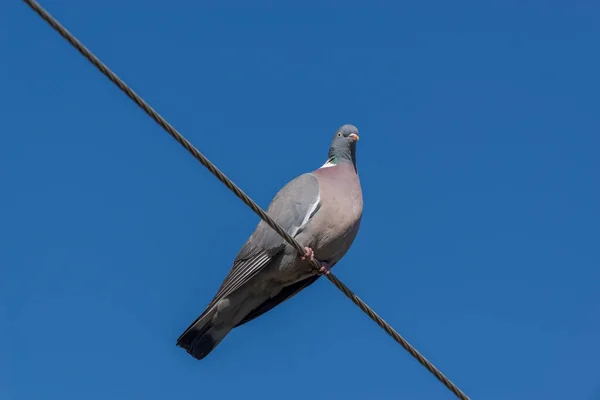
x: 239, y: 193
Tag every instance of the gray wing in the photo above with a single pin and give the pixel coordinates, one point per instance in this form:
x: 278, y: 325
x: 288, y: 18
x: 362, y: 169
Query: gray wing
x: 292, y: 208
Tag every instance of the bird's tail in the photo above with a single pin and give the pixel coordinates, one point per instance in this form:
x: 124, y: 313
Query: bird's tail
x: 202, y: 336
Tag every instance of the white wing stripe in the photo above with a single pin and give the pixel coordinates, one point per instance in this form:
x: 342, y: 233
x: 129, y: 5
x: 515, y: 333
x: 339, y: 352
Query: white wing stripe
x: 309, y: 213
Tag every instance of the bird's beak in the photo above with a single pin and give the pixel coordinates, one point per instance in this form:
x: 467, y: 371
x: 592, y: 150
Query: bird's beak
x: 353, y: 136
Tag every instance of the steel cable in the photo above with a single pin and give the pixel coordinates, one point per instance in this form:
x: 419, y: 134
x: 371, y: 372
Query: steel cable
x: 239, y: 193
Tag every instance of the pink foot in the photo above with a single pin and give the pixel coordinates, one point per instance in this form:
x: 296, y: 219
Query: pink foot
x: 310, y: 255
x: 325, y: 268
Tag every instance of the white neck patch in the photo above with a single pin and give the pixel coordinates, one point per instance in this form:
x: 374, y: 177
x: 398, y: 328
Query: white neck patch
x: 328, y: 164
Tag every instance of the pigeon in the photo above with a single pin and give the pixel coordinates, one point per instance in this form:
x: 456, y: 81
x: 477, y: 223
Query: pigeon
x: 322, y: 211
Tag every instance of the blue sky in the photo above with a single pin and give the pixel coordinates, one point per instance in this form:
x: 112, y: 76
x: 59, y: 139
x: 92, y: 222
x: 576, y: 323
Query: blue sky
x: 478, y: 159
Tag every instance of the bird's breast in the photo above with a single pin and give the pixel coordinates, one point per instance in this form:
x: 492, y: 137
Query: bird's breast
x: 338, y: 219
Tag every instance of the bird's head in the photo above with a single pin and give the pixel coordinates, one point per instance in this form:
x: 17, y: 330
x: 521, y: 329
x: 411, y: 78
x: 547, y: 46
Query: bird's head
x: 343, y: 145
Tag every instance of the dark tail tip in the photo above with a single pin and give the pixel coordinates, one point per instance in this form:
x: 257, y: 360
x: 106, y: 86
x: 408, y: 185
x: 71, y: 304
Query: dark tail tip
x: 203, y: 347
x: 197, y: 343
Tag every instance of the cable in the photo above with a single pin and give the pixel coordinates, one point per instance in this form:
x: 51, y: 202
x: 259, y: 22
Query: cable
x: 239, y: 193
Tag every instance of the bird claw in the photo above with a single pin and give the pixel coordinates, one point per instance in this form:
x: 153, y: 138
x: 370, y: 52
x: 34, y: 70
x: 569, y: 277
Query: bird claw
x: 325, y: 269
x: 310, y: 256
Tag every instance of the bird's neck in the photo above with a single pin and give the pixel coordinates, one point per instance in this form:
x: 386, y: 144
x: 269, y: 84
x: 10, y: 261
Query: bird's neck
x: 339, y: 157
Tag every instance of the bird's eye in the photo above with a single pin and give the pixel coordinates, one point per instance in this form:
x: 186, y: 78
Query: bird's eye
x: 339, y: 134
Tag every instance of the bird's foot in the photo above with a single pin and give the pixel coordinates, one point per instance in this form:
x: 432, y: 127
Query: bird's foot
x: 310, y: 256
x: 325, y: 268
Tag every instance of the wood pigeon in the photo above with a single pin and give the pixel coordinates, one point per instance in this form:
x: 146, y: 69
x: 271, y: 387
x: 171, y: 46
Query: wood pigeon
x: 321, y: 210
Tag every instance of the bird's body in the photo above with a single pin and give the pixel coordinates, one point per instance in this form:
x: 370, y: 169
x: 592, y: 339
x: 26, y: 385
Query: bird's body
x: 321, y: 210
